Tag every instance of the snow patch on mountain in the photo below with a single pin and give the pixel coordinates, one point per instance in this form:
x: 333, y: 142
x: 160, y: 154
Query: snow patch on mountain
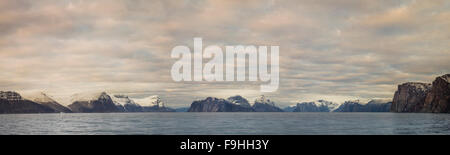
x: 89, y: 96
x: 446, y: 77
x: 10, y: 95
x: 239, y: 100
x: 264, y: 100
x: 150, y: 101
x: 419, y: 85
x: 380, y: 101
x: 359, y: 101
x: 323, y: 103
x: 122, y: 100
x: 39, y: 97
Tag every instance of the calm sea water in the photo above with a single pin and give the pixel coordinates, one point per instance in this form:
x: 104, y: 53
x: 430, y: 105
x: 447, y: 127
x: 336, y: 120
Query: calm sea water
x: 225, y: 123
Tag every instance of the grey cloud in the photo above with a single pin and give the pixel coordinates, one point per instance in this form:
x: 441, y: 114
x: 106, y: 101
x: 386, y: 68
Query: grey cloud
x: 328, y: 49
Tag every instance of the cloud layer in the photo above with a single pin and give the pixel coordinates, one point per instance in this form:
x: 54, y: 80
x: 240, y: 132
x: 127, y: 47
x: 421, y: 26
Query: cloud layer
x: 329, y: 49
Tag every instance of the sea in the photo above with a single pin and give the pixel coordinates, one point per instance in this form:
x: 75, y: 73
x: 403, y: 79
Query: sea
x: 184, y: 123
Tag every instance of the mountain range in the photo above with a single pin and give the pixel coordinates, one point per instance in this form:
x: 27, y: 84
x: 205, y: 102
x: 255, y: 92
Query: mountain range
x: 12, y: 102
x: 97, y: 102
x: 410, y: 97
x: 374, y: 105
x: 371, y: 106
x: 315, y: 106
x: 234, y: 104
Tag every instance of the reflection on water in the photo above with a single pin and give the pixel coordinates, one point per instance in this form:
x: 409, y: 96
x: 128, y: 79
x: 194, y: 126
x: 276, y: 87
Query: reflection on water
x: 226, y: 123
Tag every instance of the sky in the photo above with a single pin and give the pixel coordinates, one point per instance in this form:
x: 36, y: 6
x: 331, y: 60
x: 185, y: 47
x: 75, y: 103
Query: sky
x: 333, y: 50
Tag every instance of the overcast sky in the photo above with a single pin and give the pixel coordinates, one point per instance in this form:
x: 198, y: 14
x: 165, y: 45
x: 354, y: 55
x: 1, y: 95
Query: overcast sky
x: 334, y: 50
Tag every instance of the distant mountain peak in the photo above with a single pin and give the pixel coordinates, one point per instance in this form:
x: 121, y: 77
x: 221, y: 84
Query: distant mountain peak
x: 35, y: 102
x: 39, y: 97
x: 239, y: 100
x: 264, y: 100
x: 122, y: 100
x: 213, y: 104
x: 316, y: 106
x: 90, y: 96
x: 445, y: 77
x: 264, y: 104
x: 150, y: 101
x: 10, y: 95
x: 379, y: 101
x: 373, y: 105
x: 418, y: 85
x: 359, y: 101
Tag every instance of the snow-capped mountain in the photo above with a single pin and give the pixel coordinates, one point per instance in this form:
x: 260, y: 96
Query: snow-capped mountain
x: 93, y: 102
x: 239, y: 100
x: 13, y: 102
x: 38, y: 97
x: 377, y: 105
x: 10, y: 96
x: 316, y: 106
x: 44, y: 99
x: 89, y: 96
x: 153, y: 104
x: 264, y: 104
x: 330, y: 105
x: 264, y: 100
x: 104, y: 102
x: 150, y: 101
x: 212, y: 104
x: 128, y: 105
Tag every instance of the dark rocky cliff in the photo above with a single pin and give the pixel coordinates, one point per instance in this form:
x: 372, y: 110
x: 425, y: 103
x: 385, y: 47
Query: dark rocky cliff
x: 423, y: 97
x: 438, y: 98
x: 410, y: 97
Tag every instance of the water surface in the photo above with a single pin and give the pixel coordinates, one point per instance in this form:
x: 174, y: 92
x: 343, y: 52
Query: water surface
x: 225, y: 123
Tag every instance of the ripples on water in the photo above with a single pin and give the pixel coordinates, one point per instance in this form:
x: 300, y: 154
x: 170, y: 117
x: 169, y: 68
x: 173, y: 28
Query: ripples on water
x: 226, y: 123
